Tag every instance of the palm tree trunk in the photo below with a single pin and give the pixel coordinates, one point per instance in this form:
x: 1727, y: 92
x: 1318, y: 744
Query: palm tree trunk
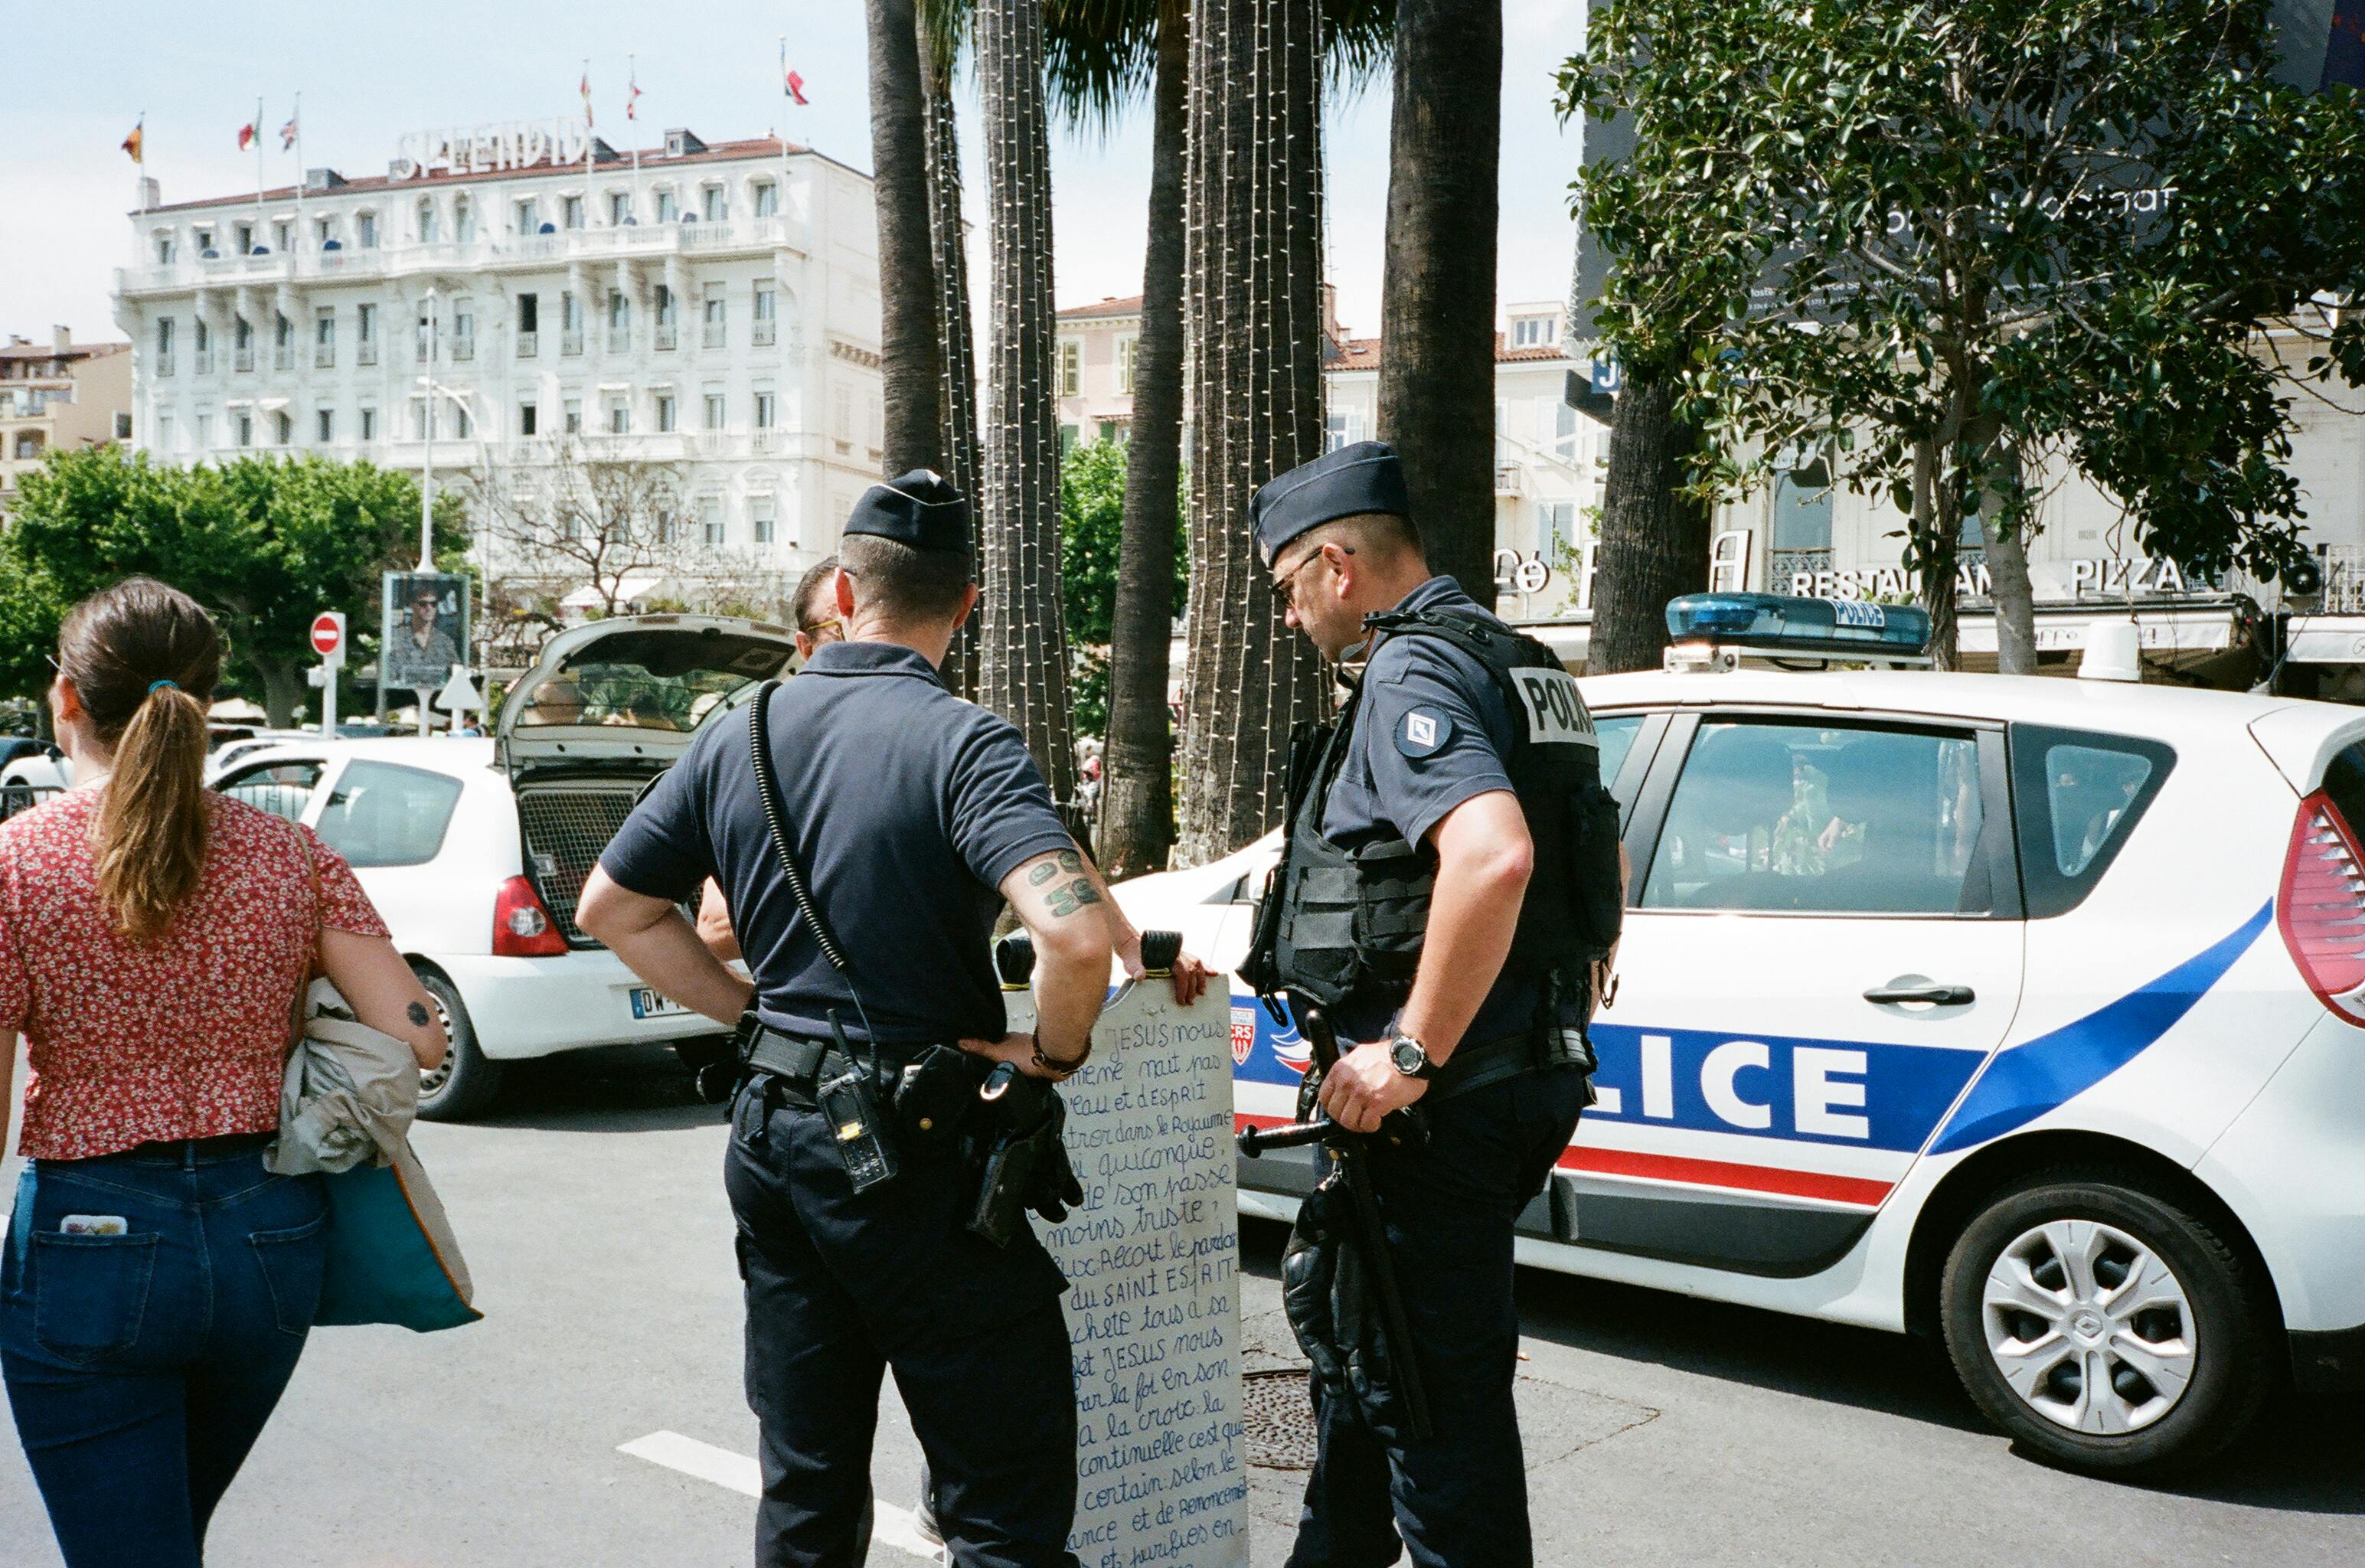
x: 907, y: 277
x: 956, y: 335
x: 1254, y: 207
x: 1437, y: 362
x: 1655, y: 541
x: 1136, y: 825
x: 1024, y: 672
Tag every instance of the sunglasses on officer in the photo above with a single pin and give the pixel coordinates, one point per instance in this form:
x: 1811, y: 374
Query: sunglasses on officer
x: 1284, y: 584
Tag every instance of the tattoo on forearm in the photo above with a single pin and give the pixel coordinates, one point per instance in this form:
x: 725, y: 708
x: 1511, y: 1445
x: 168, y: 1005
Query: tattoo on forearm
x: 1070, y: 861
x: 1041, y: 874
x: 1067, y: 900
x: 418, y: 1014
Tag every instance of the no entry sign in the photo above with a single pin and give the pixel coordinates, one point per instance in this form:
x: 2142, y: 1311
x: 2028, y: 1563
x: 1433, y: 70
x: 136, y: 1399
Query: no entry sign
x: 328, y: 635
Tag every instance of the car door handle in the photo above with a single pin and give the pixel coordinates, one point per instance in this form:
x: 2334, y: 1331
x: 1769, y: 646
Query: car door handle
x: 1938, y: 995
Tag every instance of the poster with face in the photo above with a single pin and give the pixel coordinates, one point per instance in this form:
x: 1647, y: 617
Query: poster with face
x: 424, y: 616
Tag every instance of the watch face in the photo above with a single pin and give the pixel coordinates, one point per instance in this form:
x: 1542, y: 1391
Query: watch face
x: 1409, y: 1057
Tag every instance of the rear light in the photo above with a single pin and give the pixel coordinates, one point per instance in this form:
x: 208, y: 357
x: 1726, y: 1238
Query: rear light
x: 522, y: 928
x: 2321, y: 908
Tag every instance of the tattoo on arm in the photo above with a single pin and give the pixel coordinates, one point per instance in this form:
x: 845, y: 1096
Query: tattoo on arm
x: 1041, y: 874
x: 1067, y: 900
x: 419, y: 1015
x: 1070, y: 861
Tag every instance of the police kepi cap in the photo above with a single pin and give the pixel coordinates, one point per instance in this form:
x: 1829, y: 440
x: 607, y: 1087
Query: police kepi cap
x: 1363, y: 477
x: 919, y: 509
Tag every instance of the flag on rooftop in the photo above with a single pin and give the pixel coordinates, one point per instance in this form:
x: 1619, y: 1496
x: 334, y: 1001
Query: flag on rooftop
x: 138, y: 140
x: 791, y: 83
x: 246, y: 136
x: 288, y: 134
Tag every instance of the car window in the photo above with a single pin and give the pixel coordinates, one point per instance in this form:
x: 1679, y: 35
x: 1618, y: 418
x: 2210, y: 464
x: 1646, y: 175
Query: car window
x: 380, y: 814
x: 2077, y: 795
x: 283, y: 789
x: 1617, y: 739
x: 1809, y: 818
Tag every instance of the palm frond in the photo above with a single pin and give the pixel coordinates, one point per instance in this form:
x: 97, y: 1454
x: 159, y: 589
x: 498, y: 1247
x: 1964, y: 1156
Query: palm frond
x: 1100, y: 55
x: 944, y: 27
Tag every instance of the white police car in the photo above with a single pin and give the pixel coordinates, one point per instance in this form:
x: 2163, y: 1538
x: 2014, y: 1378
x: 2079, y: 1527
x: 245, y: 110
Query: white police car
x: 2029, y: 1013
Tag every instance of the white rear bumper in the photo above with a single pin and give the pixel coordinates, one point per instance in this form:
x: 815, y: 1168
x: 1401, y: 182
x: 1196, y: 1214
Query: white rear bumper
x: 537, y: 1007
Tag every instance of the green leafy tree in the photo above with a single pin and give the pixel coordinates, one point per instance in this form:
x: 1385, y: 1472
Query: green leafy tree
x: 1944, y: 241
x: 263, y: 544
x: 1092, y: 537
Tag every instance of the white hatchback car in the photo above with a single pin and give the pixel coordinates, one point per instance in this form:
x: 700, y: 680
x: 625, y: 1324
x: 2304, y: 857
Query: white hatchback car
x: 2029, y: 1013
x: 475, y: 850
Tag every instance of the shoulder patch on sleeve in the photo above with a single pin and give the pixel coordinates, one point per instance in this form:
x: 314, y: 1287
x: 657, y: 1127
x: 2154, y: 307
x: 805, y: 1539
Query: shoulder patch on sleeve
x: 1422, y: 732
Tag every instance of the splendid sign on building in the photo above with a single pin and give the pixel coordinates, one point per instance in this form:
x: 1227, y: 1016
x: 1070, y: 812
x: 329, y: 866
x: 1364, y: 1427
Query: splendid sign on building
x: 714, y: 306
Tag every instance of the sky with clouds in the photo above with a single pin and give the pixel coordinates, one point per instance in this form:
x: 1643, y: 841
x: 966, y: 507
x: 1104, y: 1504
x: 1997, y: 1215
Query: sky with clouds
x: 80, y: 76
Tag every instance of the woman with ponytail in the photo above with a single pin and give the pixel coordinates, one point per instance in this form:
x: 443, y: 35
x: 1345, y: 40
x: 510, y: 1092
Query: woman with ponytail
x: 157, y: 1283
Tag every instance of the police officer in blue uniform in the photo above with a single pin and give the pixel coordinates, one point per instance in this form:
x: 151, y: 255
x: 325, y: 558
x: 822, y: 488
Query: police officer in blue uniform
x: 911, y: 816
x: 1448, y: 875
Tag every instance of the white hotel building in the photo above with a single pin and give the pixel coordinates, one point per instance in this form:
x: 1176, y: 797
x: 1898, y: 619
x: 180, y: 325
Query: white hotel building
x: 715, y: 308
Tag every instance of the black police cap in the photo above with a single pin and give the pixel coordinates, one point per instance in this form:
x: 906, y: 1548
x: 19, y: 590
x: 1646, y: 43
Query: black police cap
x: 918, y: 508
x: 1364, y: 478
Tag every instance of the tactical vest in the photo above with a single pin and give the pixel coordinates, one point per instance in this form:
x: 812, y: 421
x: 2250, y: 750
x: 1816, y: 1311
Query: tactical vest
x: 1345, y: 926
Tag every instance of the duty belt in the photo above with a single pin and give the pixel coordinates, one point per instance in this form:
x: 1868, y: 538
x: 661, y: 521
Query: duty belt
x: 801, y: 1061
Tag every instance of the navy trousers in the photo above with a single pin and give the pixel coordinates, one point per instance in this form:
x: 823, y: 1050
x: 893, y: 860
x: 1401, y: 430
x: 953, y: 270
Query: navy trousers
x: 1459, y: 1500
x: 141, y: 1367
x: 843, y: 1287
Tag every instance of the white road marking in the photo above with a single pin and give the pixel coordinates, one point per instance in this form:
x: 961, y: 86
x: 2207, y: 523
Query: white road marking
x: 890, y: 1526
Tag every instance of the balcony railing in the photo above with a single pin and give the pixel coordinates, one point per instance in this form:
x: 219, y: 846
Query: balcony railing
x: 324, y: 356
x: 365, y: 260
x: 666, y: 337
x: 165, y: 363
x: 766, y: 334
x: 202, y: 363
x: 712, y: 337
x: 242, y: 359
x: 620, y: 339
x: 283, y: 357
x: 527, y: 345
x: 366, y: 351
x: 570, y: 342
x: 463, y: 349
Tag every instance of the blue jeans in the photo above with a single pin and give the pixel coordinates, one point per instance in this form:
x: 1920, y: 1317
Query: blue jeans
x: 142, y: 1367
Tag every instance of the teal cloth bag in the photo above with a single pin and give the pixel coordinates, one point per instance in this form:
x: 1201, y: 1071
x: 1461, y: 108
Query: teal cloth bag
x: 390, y: 1254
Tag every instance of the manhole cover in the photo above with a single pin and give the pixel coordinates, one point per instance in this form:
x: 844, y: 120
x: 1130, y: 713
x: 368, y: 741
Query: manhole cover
x: 1279, y: 1418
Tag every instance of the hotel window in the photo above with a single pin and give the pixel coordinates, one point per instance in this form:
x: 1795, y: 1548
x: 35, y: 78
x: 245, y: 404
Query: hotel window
x: 570, y: 322
x: 767, y: 325
x: 1125, y: 349
x: 664, y: 206
x: 841, y: 423
x: 620, y: 209
x: 1565, y: 432
x: 1555, y: 531
x: 717, y: 317
x: 462, y: 427
x: 365, y: 334
x: 324, y: 337
x: 463, y: 219
x: 464, y: 330
x: 365, y: 230
x: 164, y: 346
x: 573, y: 416
x: 323, y: 231
x: 768, y: 199
x: 759, y: 512
x: 164, y: 250
x: 1072, y: 368
x: 368, y: 424
x: 246, y: 430
x: 764, y: 408
x: 123, y: 427
x: 324, y: 426
x: 1341, y: 429
x: 711, y: 204
x: 668, y: 317
x: 620, y: 415
x: 665, y: 411
x: 619, y: 320
x: 1803, y: 520
x: 205, y: 431
x: 529, y: 216
x: 1531, y: 332
x: 205, y: 242
x: 572, y: 211
x: 245, y: 233
x: 164, y: 433
x: 281, y: 239
x: 527, y: 413
x: 714, y: 410
x: 709, y: 518
x: 426, y: 222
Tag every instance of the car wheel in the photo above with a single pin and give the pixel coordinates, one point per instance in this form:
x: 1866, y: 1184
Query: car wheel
x: 465, y: 1082
x: 2104, y: 1328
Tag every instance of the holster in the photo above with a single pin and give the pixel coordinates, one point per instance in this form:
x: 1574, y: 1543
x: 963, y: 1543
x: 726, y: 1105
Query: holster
x: 1021, y: 1159
x: 1325, y: 1293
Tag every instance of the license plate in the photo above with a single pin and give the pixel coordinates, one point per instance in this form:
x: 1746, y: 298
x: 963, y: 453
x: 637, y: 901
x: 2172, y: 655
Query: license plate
x: 647, y: 1003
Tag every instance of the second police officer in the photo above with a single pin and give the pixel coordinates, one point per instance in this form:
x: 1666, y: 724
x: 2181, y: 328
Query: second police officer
x: 911, y: 816
x: 1449, y: 882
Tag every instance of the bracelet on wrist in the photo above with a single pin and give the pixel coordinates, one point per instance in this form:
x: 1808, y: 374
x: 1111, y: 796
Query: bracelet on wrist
x: 1059, y: 1067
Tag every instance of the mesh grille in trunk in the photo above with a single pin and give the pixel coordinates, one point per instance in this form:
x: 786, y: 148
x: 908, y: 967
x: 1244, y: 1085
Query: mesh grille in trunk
x: 566, y: 827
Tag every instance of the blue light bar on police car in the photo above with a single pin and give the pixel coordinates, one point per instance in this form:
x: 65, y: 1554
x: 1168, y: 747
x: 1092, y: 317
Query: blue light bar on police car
x: 1776, y: 625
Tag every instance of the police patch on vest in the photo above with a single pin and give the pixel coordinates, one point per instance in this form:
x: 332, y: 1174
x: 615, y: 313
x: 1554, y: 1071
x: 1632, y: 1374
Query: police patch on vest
x: 1423, y: 731
x: 1556, y: 714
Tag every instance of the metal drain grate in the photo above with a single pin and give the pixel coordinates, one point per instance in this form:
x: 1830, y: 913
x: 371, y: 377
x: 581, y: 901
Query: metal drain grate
x: 1279, y: 1418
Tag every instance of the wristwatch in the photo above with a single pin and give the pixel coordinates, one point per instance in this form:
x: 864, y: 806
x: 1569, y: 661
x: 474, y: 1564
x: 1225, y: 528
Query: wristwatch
x: 1412, y: 1057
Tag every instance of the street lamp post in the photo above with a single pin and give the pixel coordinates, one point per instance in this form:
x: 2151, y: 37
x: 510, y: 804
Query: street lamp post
x: 427, y: 465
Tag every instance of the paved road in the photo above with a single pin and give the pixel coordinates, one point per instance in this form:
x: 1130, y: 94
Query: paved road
x: 1660, y: 1430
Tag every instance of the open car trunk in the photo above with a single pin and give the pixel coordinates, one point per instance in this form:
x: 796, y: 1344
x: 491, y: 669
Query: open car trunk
x: 606, y: 708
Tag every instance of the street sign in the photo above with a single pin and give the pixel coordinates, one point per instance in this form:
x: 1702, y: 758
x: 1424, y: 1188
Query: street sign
x: 328, y: 635
x: 459, y: 696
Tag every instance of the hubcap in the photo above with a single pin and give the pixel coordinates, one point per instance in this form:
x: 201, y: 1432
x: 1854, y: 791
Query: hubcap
x: 431, y: 1082
x: 2089, y: 1327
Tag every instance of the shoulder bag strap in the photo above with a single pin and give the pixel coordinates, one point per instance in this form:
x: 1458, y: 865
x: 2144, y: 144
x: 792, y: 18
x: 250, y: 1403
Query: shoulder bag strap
x: 312, y: 949
x: 759, y: 747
